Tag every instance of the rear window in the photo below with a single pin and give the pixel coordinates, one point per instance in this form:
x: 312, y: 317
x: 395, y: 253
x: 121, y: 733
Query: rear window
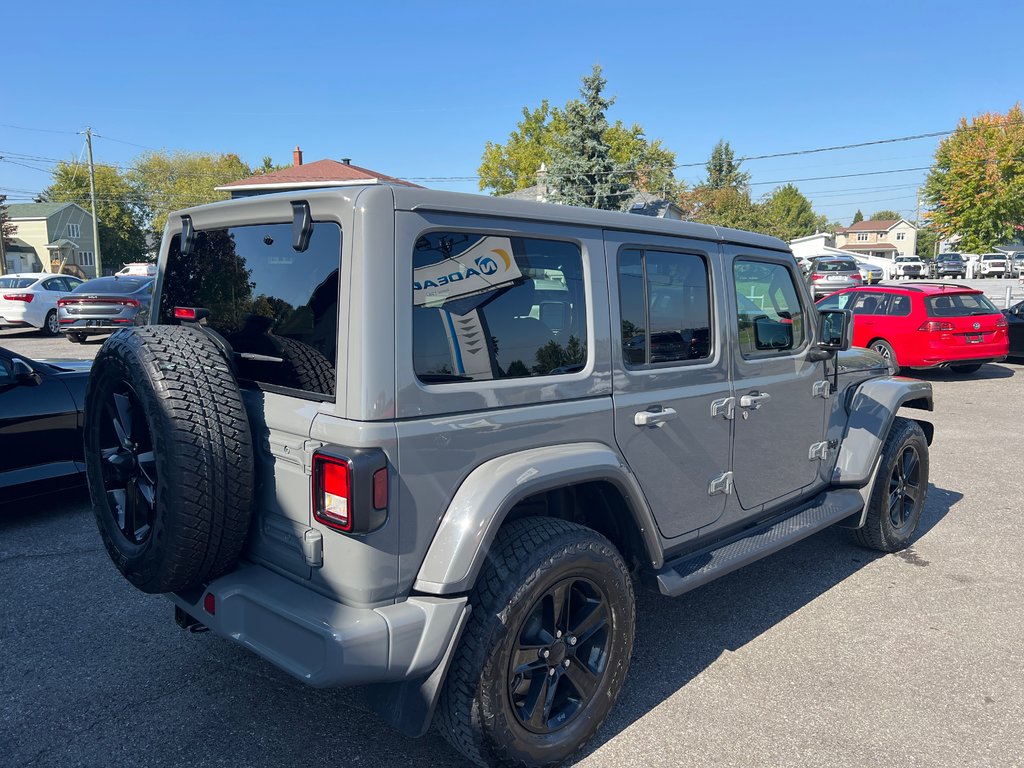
x: 112, y: 285
x: 959, y: 305
x: 276, y: 307
x: 835, y: 266
x: 491, y: 307
x: 17, y: 282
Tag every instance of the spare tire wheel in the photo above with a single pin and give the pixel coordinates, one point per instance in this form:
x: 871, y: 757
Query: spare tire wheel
x: 169, y: 457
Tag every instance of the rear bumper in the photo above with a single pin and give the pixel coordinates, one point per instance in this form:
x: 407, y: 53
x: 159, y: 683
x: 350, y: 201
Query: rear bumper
x: 320, y: 641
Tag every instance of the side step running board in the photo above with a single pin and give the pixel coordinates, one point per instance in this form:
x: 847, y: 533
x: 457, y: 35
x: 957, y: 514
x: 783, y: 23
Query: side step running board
x: 698, y: 568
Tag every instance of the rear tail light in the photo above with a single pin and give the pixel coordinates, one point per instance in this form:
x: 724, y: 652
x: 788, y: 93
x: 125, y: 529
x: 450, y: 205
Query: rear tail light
x: 185, y: 313
x: 936, y: 326
x: 26, y: 297
x: 816, y: 276
x: 857, y: 277
x: 350, y: 493
x: 1001, y: 322
x: 120, y: 302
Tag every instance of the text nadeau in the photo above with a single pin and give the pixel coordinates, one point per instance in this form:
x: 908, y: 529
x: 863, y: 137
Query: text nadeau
x: 453, y: 277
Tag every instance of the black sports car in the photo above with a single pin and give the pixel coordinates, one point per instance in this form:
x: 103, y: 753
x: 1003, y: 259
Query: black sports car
x: 40, y: 424
x: 1015, y: 326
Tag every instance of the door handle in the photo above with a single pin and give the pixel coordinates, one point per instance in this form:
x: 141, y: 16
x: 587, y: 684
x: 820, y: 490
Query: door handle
x: 653, y: 418
x: 754, y: 400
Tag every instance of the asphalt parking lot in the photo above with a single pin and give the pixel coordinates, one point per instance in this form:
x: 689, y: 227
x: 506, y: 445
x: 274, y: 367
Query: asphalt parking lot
x: 822, y: 655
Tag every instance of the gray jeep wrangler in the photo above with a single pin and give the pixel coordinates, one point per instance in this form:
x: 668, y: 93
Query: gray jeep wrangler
x: 428, y: 442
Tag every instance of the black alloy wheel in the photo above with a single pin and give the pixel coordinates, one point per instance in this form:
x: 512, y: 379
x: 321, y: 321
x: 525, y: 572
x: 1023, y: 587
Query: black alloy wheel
x: 904, y: 487
x: 129, y: 464
x: 560, y: 657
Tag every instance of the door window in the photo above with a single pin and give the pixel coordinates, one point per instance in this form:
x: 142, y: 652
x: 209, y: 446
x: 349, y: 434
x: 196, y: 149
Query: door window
x: 665, y: 307
x: 870, y: 303
x: 769, y: 315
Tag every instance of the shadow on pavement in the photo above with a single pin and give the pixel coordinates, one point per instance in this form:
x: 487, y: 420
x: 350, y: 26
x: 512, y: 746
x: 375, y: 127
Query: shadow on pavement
x: 988, y: 371
x: 678, y: 638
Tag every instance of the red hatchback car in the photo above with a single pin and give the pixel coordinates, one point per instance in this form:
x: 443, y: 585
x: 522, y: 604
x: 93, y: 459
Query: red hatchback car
x: 925, y: 325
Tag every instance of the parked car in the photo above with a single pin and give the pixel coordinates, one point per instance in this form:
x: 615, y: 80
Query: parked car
x: 830, y: 273
x: 104, y: 305
x: 1015, y: 264
x: 992, y: 265
x: 948, y: 265
x: 30, y: 298
x: 869, y: 273
x: 1015, y: 322
x: 907, y: 267
x: 40, y: 424
x: 436, y: 475
x: 144, y: 268
x: 926, y: 325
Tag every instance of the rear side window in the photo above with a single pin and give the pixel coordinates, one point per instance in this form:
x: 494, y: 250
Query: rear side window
x: 665, y: 307
x: 277, y: 308
x: 959, y: 305
x: 491, y: 307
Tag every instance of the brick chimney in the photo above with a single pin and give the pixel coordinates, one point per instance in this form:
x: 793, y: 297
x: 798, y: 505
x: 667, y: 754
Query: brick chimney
x: 297, y: 156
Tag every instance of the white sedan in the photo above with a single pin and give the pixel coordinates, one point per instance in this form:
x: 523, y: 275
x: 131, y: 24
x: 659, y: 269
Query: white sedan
x: 30, y: 298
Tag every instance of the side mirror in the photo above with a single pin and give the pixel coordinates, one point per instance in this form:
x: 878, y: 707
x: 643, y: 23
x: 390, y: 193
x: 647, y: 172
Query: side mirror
x: 23, y: 373
x: 835, y: 329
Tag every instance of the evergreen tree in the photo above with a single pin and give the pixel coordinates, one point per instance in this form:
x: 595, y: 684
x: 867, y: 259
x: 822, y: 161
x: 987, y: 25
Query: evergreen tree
x: 858, y: 216
x: 583, y: 171
x: 723, y: 170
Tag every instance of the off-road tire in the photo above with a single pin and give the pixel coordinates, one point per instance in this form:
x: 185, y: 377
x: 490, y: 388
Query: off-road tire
x: 529, y: 557
x: 307, y: 368
x: 199, y: 447
x: 969, y: 368
x: 884, y: 348
x: 903, y: 469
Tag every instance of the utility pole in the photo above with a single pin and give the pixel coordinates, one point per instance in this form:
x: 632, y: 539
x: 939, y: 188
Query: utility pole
x: 92, y: 195
x: 3, y: 248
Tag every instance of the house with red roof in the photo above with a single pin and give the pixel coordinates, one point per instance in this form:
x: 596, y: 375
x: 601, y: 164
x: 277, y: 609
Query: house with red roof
x: 316, y: 175
x: 880, y: 238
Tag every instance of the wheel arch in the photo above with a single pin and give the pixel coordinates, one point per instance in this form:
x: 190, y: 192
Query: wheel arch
x: 555, y: 481
x: 871, y: 409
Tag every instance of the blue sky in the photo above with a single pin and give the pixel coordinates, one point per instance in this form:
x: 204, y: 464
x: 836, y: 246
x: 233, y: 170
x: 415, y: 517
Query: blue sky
x: 416, y: 89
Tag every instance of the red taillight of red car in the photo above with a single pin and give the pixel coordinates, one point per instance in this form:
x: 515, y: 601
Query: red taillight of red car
x: 936, y: 326
x: 26, y: 297
x: 1000, y: 322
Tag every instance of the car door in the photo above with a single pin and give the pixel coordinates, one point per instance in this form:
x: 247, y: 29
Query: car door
x: 780, y: 393
x: 671, y: 386
x: 38, y: 428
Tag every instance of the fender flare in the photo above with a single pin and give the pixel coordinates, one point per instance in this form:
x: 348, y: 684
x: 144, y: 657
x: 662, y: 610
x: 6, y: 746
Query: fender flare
x: 486, y: 496
x: 872, y: 408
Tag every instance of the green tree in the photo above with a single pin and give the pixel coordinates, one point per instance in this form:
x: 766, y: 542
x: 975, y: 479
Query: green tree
x: 514, y: 165
x: 788, y: 213
x: 169, y: 181
x: 885, y: 216
x: 858, y: 217
x: 726, y: 207
x: 120, y: 210
x: 927, y: 237
x: 268, y: 166
x: 7, y: 229
x: 504, y: 168
x: 723, y: 170
x: 583, y: 171
x: 976, y: 186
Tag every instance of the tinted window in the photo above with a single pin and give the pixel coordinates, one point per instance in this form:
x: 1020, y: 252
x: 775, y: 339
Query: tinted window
x: 836, y: 301
x: 899, y: 306
x: 870, y: 303
x: 769, y: 316
x: 835, y: 266
x: 959, y: 305
x: 490, y: 307
x: 16, y: 282
x: 113, y: 285
x: 666, y: 313
x: 278, y: 308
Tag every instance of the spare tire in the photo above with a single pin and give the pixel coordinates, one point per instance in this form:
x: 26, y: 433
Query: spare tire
x: 169, y: 457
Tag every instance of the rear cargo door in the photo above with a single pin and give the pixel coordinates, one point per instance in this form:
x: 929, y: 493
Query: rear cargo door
x: 277, y: 308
